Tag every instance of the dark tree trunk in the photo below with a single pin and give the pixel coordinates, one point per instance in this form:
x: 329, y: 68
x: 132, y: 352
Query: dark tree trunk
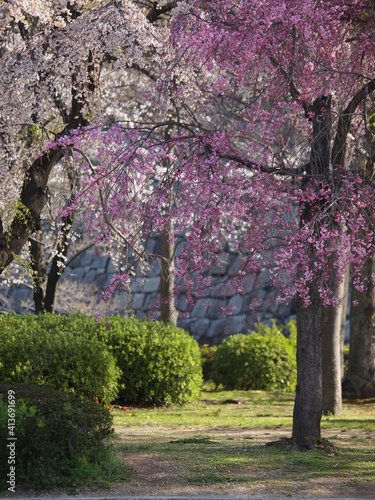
x: 307, y: 412
x: 360, y: 380
x: 45, y: 286
x: 57, y: 267
x: 331, y: 356
x: 53, y: 279
x: 168, y: 311
x: 32, y: 200
x: 39, y: 268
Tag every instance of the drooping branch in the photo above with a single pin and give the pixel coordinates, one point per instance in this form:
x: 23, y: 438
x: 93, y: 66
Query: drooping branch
x: 109, y: 224
x: 34, y: 192
x: 320, y: 146
x: 33, y: 195
x: 294, y: 92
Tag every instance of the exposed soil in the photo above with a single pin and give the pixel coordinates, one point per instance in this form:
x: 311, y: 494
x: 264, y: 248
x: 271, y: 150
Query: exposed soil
x: 154, y: 475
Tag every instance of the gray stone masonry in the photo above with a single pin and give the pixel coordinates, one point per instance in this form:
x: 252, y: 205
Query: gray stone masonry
x: 205, y: 321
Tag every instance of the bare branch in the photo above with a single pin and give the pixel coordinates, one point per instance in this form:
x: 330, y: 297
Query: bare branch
x: 297, y: 171
x: 345, y: 119
x: 294, y: 92
x: 156, y: 11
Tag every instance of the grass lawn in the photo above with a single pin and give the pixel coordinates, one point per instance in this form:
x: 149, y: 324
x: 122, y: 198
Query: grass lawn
x: 213, y: 448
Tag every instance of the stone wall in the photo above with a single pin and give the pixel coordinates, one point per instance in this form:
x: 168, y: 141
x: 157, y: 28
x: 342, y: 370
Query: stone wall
x: 87, y: 276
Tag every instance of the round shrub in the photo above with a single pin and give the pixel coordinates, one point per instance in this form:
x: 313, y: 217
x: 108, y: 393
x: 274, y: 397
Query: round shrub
x: 263, y: 360
x: 31, y: 353
x: 52, y: 428
x: 160, y: 364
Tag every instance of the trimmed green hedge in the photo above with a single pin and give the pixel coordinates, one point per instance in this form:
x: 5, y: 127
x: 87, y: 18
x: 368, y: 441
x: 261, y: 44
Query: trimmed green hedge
x: 159, y: 364
x: 139, y: 362
x: 262, y: 360
x: 35, y: 351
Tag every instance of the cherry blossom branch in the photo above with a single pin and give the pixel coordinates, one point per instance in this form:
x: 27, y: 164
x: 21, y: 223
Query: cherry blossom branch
x: 116, y: 231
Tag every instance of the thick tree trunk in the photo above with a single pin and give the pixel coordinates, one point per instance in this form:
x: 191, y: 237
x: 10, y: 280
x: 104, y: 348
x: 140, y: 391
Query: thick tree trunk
x: 331, y: 356
x: 168, y: 312
x: 39, y: 267
x: 360, y: 381
x: 32, y: 200
x: 308, y: 403
x: 307, y: 412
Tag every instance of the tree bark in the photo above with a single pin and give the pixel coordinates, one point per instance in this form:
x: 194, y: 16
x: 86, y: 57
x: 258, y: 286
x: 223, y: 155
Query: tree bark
x: 168, y: 312
x: 360, y: 381
x: 32, y: 200
x: 307, y: 412
x: 34, y: 190
x: 331, y: 355
x: 45, y: 285
x: 39, y: 268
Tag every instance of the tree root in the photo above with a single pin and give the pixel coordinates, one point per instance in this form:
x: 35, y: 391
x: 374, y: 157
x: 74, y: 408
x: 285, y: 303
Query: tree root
x: 320, y: 443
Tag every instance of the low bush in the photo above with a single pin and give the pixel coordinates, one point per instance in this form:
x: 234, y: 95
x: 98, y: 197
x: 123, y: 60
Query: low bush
x: 160, y: 364
x: 35, y: 350
x: 55, y: 433
x: 263, y: 360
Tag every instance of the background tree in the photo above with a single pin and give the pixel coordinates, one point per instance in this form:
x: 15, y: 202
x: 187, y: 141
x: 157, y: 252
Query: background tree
x: 65, y: 64
x: 360, y: 379
x: 289, y: 50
